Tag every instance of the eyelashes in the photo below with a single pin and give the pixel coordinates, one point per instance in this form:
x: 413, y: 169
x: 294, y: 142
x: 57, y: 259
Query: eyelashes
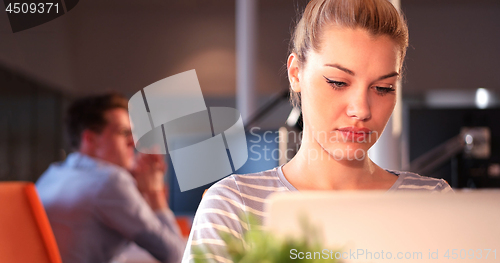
x: 339, y: 85
x: 385, y: 90
x: 336, y: 84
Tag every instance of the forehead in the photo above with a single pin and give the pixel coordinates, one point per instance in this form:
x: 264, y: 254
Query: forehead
x: 356, y: 48
x: 117, y: 117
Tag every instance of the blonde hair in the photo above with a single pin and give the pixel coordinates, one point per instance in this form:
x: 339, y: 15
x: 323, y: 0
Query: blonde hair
x: 379, y: 17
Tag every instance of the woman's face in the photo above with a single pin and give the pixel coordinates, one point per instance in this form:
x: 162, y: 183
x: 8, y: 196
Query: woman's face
x: 348, y: 91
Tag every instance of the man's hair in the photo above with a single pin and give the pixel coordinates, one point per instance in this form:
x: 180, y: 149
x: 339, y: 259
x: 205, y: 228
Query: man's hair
x: 88, y: 113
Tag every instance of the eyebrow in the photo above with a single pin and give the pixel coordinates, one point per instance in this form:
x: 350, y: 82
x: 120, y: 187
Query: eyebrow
x: 350, y: 72
x: 337, y: 66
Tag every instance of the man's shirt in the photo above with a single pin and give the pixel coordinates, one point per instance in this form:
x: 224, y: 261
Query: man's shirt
x: 95, y: 209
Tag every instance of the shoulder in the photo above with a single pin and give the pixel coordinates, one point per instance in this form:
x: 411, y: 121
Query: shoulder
x: 116, y: 175
x: 49, y: 176
x: 227, y: 207
x: 115, y: 182
x: 82, y: 169
x: 247, y: 187
x: 414, y: 182
x: 101, y: 178
x: 239, y: 195
x: 92, y: 179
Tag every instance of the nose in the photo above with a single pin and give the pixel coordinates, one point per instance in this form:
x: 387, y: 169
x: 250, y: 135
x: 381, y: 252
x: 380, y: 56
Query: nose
x: 130, y: 140
x: 359, y: 105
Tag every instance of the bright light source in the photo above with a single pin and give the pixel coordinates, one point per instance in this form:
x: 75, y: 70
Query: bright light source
x: 482, y: 98
x: 294, y: 116
x: 469, y: 139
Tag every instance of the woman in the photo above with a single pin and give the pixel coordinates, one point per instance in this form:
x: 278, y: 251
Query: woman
x: 346, y: 57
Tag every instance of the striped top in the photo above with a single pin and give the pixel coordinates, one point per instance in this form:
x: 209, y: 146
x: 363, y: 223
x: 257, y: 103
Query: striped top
x: 225, y: 204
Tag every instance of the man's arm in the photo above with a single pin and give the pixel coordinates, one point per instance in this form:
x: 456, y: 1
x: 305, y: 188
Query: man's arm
x: 120, y: 206
x: 149, y: 171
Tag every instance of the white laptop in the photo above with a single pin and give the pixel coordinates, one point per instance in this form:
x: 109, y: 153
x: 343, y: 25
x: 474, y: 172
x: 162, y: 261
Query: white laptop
x: 372, y: 226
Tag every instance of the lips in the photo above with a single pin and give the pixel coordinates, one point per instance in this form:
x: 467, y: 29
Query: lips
x: 355, y: 130
x: 355, y: 134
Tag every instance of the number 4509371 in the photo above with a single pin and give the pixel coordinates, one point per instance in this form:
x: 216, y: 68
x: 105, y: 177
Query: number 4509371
x: 25, y: 8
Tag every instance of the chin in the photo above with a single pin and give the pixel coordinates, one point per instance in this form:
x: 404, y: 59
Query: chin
x: 128, y: 165
x: 345, y: 151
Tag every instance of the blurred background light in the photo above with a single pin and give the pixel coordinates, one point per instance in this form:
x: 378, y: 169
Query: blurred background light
x: 482, y: 98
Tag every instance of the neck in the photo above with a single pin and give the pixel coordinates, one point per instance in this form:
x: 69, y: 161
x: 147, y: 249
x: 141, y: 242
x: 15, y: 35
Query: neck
x: 313, y: 168
x: 87, y: 151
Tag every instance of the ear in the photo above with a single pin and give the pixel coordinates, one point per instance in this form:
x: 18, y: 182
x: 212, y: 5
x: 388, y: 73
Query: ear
x: 88, y: 140
x: 293, y: 68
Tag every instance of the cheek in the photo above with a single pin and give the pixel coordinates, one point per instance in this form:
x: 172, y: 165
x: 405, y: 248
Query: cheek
x: 124, y: 145
x: 115, y: 146
x: 316, y: 99
x: 383, y: 112
x: 311, y: 108
x: 325, y: 105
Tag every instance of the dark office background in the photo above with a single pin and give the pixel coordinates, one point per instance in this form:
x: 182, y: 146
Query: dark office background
x: 125, y: 45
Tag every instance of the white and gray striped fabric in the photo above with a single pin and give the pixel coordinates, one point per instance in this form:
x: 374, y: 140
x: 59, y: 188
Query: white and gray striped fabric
x: 226, y: 205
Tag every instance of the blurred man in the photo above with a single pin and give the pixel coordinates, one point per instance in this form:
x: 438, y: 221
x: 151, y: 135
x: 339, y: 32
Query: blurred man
x: 94, y: 205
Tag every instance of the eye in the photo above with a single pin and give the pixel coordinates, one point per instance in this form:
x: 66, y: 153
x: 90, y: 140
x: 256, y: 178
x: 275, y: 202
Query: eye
x: 335, y: 84
x: 384, y: 90
x: 125, y: 133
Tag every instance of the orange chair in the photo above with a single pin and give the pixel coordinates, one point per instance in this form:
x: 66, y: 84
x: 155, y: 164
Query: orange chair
x: 184, y: 223
x: 25, y: 232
